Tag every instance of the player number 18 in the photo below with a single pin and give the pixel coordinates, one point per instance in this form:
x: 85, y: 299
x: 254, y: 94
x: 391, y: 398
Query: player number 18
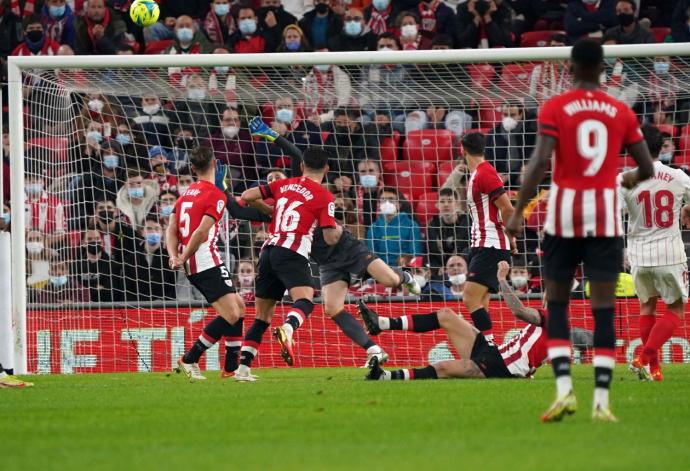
x: 592, y: 144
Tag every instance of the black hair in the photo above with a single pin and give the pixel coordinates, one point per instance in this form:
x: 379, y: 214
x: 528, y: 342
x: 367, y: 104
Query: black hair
x: 389, y: 189
x: 152, y: 217
x: 133, y: 173
x: 390, y: 36
x: 32, y: 19
x: 184, y: 170
x: 653, y: 138
x: 474, y: 143
x: 587, y: 54
x: 449, y: 192
x: 201, y: 158
x: 404, y: 14
x: 629, y: 2
x: 442, y: 40
x: 315, y: 158
x: 560, y: 38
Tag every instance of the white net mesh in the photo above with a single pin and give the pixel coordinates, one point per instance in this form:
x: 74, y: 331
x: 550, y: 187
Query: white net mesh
x: 106, y: 156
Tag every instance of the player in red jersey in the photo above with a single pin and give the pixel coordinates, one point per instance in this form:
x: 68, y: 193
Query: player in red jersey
x: 518, y: 357
x: 191, y: 242
x: 301, y: 204
x: 587, y: 129
x: 489, y: 207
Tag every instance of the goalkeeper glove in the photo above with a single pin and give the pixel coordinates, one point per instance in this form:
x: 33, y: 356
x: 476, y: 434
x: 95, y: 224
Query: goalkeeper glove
x: 258, y: 128
x: 222, y: 177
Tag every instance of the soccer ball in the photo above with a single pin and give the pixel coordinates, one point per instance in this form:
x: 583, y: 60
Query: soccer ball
x: 144, y: 12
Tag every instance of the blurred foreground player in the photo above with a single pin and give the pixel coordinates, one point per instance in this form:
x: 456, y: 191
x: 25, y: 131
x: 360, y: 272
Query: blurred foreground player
x: 587, y: 129
x: 519, y: 357
x: 657, y: 254
x: 191, y: 242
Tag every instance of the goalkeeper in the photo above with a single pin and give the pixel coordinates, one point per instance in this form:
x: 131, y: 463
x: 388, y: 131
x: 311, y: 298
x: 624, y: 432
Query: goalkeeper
x: 338, y: 264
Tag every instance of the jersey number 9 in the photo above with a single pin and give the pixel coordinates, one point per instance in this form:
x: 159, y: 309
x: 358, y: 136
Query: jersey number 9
x: 592, y: 144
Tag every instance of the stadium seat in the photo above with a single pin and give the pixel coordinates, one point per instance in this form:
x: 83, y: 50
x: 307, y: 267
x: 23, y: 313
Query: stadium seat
x: 389, y: 148
x: 425, y: 207
x: 411, y: 177
x: 537, y: 38
x: 156, y: 47
x: 668, y: 129
x: 660, y: 33
x: 489, y: 112
x: 444, y: 171
x: 429, y: 144
x: 515, y: 79
x: 56, y: 146
x: 481, y: 74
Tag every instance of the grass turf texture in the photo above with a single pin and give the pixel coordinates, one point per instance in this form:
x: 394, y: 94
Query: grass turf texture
x: 330, y: 419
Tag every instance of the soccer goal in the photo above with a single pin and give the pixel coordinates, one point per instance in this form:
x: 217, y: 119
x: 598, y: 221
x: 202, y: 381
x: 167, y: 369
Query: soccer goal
x: 99, y: 145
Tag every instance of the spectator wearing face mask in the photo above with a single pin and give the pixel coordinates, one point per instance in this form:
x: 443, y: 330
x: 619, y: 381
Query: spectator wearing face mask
x: 105, y: 180
x: 448, y: 233
x: 629, y: 30
x: 484, y: 24
x: 219, y: 24
x: 5, y: 219
x: 148, y: 276
x: 409, y: 32
x: 381, y: 16
x: 136, y: 198
x: 294, y: 40
x: 510, y: 143
x: 273, y: 20
x: 197, y: 111
x: 519, y: 277
x: 321, y: 23
x: 166, y: 206
x: 61, y: 288
x: 35, y: 42
x: 160, y: 169
x: 188, y: 40
x: 245, y: 280
x: 170, y: 11
x: 326, y: 88
x: 346, y: 144
x: 393, y: 232
x: 589, y: 17
x: 134, y: 152
x: 153, y: 120
x: 184, y: 179
x: 232, y: 145
x: 355, y: 35
x: 184, y: 142
x: 369, y: 184
x: 99, y: 31
x: 58, y: 20
x: 117, y: 236
x: 250, y: 38
x: 452, y: 283
x: 99, y: 109
x: 661, y: 95
x: 37, y: 259
x: 45, y: 212
x: 95, y: 271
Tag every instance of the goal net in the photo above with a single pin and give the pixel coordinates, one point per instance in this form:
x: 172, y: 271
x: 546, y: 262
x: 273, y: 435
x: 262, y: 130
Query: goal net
x: 99, y: 152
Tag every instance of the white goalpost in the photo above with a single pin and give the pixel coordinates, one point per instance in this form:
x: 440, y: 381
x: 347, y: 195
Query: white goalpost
x: 127, y: 316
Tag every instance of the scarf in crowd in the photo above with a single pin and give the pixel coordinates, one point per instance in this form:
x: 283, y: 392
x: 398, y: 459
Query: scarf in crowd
x: 90, y: 24
x: 213, y: 29
x: 428, y: 16
x: 55, y: 27
x: 378, y: 20
x: 29, y: 6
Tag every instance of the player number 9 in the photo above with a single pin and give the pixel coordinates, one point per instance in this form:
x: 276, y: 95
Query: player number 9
x: 592, y: 144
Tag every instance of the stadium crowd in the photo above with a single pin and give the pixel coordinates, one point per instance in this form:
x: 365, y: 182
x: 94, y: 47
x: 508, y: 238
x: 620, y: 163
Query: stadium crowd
x: 95, y: 232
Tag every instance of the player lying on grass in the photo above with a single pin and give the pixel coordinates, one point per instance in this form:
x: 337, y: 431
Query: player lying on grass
x: 657, y: 254
x: 519, y: 357
x: 338, y: 264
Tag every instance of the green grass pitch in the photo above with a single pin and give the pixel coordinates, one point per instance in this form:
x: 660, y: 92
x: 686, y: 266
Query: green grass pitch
x: 305, y: 419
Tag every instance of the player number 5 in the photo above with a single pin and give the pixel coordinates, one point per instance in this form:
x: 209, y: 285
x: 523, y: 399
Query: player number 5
x: 184, y: 218
x: 592, y: 144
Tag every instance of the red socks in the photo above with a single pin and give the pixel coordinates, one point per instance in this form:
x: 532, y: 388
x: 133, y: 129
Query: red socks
x: 660, y: 333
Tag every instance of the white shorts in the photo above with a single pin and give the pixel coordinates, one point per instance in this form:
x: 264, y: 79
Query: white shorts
x: 669, y: 282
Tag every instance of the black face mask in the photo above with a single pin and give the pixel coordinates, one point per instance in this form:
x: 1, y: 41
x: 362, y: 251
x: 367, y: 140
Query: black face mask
x: 185, y: 142
x: 106, y: 216
x: 384, y: 130
x: 93, y: 247
x: 34, y: 36
x: 265, y: 10
x: 342, y: 131
x: 626, y: 19
x: 339, y: 214
x: 321, y: 8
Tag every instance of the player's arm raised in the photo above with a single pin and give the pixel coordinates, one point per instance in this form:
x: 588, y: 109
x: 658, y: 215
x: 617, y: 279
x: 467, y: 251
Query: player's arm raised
x: 534, y: 174
x: 171, y: 241
x: 645, y: 165
x: 527, y: 314
x: 198, y: 237
x: 254, y: 198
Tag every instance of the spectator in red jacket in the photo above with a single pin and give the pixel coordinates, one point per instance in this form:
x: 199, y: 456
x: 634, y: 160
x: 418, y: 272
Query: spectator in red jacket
x: 436, y: 18
x: 249, y: 37
x: 35, y: 43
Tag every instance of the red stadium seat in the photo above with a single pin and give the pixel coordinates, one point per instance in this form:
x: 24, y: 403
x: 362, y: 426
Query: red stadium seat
x: 389, y: 148
x: 481, y: 74
x: 489, y: 112
x: 156, y: 47
x: 537, y: 38
x: 668, y: 129
x: 515, y: 78
x: 444, y: 171
x: 425, y: 207
x: 429, y: 144
x: 411, y: 177
x: 660, y: 33
x: 56, y: 146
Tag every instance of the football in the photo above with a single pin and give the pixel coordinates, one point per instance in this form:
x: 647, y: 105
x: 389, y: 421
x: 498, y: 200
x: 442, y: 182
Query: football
x: 144, y: 12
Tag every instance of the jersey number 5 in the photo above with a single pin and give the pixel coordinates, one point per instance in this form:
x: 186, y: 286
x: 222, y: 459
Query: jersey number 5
x: 287, y: 219
x: 592, y: 144
x: 184, y: 218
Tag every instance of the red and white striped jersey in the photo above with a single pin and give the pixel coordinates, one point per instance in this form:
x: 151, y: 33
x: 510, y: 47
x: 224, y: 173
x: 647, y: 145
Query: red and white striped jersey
x: 654, y: 206
x: 300, y: 204
x: 201, y: 199
x: 46, y: 214
x: 526, y: 351
x: 482, y: 190
x: 591, y: 128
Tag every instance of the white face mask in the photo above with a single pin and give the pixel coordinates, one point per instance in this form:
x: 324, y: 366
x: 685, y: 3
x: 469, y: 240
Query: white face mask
x: 34, y: 248
x: 96, y: 105
x: 196, y: 93
x: 387, y: 208
x: 420, y: 280
x: 509, y: 123
x: 458, y: 279
x: 518, y: 281
x: 230, y: 131
x: 151, y: 109
x: 385, y: 48
x: 182, y: 189
x: 246, y: 280
x: 408, y: 31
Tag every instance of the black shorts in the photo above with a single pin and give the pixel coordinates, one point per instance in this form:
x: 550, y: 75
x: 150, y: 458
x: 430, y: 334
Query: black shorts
x: 482, y: 265
x: 280, y: 269
x: 355, y: 266
x: 601, y: 256
x: 213, y: 283
x: 488, y: 359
